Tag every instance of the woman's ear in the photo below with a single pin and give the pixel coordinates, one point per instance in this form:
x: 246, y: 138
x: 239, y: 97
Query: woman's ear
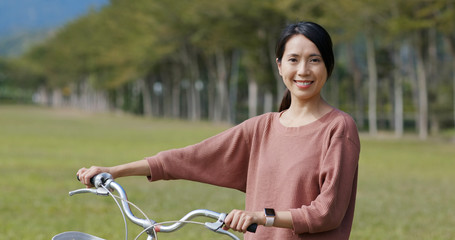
x: 278, y: 63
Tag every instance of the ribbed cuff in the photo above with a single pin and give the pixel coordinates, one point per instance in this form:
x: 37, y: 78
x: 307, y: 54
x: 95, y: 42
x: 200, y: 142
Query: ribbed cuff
x: 156, y: 169
x: 299, y: 221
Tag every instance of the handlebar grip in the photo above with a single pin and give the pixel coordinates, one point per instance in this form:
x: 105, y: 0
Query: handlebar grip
x: 92, y: 179
x: 252, y: 228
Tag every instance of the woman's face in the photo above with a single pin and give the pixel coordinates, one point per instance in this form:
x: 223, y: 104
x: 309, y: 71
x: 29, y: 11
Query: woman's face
x: 302, y: 69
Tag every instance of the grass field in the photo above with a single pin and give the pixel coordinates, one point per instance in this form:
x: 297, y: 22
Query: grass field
x: 405, y: 187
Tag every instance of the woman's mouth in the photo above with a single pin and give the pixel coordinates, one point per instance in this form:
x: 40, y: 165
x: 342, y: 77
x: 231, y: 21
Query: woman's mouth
x: 303, y: 84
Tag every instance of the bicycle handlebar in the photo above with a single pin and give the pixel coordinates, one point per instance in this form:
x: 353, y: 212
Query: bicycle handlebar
x: 105, y: 181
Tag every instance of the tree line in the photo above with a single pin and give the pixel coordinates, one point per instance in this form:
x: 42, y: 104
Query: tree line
x: 214, y: 59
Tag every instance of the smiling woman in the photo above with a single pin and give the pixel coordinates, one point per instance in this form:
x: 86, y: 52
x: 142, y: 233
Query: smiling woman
x: 297, y: 167
x: 305, y: 60
x: 318, y: 47
x: 304, y: 74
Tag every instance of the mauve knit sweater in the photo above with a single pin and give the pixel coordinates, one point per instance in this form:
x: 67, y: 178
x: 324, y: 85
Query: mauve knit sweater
x: 310, y: 171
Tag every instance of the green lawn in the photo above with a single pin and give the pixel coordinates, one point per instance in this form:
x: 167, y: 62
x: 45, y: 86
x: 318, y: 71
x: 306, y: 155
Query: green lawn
x: 405, y: 187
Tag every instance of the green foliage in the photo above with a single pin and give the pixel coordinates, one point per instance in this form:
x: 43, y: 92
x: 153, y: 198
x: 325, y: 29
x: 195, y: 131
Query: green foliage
x: 164, y: 41
x: 125, y: 40
x: 18, y: 80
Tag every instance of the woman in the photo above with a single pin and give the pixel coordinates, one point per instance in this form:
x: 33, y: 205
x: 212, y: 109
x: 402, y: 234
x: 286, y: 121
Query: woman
x: 300, y: 164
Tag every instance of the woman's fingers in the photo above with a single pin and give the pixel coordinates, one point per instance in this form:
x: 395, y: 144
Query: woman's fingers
x: 85, y: 174
x: 239, y: 220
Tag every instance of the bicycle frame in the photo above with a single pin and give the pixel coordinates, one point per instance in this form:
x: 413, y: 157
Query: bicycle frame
x: 105, y: 184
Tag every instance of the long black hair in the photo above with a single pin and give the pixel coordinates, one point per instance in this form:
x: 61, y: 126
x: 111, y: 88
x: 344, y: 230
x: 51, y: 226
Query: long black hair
x: 316, y: 34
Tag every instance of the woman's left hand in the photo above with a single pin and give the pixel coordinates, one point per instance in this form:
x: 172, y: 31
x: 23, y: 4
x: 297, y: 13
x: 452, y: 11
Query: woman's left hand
x: 239, y: 220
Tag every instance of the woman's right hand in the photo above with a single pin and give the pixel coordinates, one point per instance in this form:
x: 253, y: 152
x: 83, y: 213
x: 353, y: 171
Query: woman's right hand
x: 137, y: 168
x: 85, y: 174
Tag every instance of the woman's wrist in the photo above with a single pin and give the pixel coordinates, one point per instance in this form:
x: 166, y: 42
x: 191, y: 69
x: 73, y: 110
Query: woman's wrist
x: 260, y: 217
x: 283, y: 219
x: 138, y: 168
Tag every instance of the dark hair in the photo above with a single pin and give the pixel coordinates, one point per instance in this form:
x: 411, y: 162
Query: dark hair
x: 315, y: 33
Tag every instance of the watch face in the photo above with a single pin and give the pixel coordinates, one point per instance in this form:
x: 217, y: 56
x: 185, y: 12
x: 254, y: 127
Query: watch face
x: 269, y: 212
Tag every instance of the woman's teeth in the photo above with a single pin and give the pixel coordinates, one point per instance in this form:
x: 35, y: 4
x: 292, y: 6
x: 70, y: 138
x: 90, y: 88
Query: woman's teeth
x: 303, y: 83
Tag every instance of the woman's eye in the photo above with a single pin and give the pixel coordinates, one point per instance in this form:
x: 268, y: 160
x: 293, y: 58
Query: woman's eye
x: 292, y: 59
x: 315, y: 60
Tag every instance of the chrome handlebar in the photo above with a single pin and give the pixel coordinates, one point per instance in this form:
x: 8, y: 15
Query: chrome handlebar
x: 104, y: 183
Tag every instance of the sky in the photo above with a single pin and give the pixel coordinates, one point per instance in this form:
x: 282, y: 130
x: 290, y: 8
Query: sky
x: 18, y: 16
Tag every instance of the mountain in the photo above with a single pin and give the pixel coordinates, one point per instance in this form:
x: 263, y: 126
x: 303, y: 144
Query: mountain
x: 23, y: 22
x: 15, y: 44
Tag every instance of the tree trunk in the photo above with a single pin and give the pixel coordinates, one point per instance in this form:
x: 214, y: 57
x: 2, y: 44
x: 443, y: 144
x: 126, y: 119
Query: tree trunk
x: 423, y: 99
x: 222, y: 111
x: 373, y: 85
x: 194, y: 110
x: 451, y: 45
x: 211, y: 86
x: 398, y: 95
x: 234, y: 84
x: 85, y: 97
x: 57, y: 98
x: 119, y: 99
x: 432, y: 68
x: 252, y: 94
x: 176, y: 78
x: 146, y: 97
x: 42, y: 96
x: 190, y: 65
x: 135, y: 98
x: 453, y: 85
x: 191, y: 100
x: 167, y: 97
x: 422, y: 91
x: 415, y: 91
x: 280, y: 87
x: 357, y: 77
x: 453, y: 82
x: 268, y: 102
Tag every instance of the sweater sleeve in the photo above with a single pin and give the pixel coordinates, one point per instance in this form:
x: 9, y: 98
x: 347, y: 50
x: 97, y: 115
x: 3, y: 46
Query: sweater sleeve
x: 337, y: 184
x: 221, y: 160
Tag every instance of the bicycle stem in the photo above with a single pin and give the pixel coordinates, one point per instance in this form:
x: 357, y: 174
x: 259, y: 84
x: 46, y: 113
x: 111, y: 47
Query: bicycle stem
x: 126, y: 207
x: 149, y: 224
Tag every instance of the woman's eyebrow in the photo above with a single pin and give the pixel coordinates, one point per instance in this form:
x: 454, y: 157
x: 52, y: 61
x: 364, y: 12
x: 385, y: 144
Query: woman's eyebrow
x: 315, y: 55
x: 292, y: 55
x: 296, y: 55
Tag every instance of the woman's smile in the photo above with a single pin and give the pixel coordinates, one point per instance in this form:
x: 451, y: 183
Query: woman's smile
x: 303, y: 84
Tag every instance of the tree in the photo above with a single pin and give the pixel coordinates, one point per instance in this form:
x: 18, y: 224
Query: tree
x: 445, y: 22
x: 187, y: 59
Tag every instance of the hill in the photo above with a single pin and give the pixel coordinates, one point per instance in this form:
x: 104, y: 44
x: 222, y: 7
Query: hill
x: 24, y: 22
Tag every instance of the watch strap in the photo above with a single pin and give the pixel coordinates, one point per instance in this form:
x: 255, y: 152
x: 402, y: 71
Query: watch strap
x: 269, y: 221
x: 269, y: 217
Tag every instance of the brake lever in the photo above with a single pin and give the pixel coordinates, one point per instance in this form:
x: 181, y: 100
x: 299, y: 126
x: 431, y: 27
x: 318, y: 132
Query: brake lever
x: 214, y: 226
x: 218, y: 226
x: 98, y: 191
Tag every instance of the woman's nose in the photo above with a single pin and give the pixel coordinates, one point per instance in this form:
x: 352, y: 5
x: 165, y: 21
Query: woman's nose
x: 302, y: 69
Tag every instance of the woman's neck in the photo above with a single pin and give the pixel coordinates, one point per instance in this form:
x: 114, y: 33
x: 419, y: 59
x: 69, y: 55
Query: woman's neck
x: 303, y: 113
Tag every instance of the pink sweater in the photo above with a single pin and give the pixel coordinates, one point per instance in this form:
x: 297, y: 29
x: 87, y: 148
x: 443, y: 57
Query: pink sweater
x: 309, y: 170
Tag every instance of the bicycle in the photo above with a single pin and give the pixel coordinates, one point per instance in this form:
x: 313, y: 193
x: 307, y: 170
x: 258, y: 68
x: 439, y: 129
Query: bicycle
x: 105, y: 186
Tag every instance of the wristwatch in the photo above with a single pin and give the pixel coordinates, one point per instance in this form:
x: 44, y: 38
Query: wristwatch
x: 269, y: 217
